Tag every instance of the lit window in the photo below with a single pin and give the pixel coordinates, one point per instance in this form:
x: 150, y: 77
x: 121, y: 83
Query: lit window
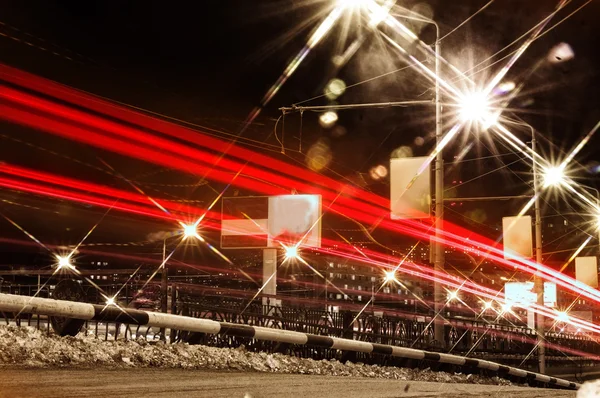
x: 338, y: 296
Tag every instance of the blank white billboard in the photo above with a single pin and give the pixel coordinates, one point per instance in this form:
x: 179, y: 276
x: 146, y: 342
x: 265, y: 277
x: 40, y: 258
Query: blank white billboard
x: 295, y: 219
x: 586, y: 270
x: 410, y: 188
x: 550, y: 295
x: 262, y: 222
x: 517, y: 237
x: 522, y: 294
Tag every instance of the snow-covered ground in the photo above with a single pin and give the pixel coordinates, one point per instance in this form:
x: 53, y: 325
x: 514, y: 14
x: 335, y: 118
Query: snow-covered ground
x: 29, y: 347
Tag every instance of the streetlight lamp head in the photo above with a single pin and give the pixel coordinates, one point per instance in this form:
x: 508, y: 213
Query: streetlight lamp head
x: 64, y: 262
x: 291, y: 252
x: 475, y: 107
x: 553, y: 176
x: 189, y: 231
x: 562, y: 316
x: 389, y: 276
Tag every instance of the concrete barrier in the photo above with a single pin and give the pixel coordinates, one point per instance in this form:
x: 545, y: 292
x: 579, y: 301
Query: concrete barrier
x: 89, y: 312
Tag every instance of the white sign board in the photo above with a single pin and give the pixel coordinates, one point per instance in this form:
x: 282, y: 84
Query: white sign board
x: 519, y: 293
x: 410, y: 188
x: 517, y: 237
x: 293, y: 219
x: 586, y: 270
x: 522, y: 294
x: 267, y: 222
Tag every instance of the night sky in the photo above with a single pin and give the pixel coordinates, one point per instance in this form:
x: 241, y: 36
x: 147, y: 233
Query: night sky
x: 209, y: 63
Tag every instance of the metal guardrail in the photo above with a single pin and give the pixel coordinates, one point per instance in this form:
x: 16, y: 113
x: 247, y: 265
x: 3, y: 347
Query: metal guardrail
x: 94, y: 312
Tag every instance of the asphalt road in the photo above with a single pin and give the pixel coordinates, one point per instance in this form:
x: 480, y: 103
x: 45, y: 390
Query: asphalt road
x: 169, y: 383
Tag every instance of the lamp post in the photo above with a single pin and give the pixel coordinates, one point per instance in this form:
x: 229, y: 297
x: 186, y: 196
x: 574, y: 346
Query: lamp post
x: 538, y: 280
x: 439, y: 254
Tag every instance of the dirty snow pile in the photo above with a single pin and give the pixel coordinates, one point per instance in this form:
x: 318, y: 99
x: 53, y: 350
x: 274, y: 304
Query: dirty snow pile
x: 27, y: 346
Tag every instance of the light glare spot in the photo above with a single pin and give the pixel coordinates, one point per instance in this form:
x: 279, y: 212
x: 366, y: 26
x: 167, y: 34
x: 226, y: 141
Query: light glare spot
x: 335, y: 88
x: 389, y: 276
x: 328, y: 119
x: 291, y: 252
x: 553, y: 176
x: 475, y: 107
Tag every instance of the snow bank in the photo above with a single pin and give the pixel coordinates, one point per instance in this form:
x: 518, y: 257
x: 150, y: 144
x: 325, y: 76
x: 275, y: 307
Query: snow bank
x: 30, y: 347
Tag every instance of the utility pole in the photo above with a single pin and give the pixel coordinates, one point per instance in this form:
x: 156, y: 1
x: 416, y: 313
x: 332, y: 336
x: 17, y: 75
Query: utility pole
x: 164, y: 288
x: 438, y: 293
x: 538, y: 280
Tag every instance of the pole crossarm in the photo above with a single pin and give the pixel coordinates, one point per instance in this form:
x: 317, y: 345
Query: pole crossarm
x: 295, y: 108
x: 485, y: 198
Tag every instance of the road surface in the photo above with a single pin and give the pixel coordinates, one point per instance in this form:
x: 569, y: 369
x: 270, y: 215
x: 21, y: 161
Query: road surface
x: 169, y: 383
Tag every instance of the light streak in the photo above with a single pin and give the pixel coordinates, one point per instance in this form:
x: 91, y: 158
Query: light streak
x: 405, y: 229
x: 579, y: 249
x: 500, y: 75
x: 314, y: 39
x: 579, y: 146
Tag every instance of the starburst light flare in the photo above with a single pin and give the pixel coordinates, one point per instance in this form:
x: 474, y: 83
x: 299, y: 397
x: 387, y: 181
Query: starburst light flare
x: 554, y: 176
x: 291, y: 252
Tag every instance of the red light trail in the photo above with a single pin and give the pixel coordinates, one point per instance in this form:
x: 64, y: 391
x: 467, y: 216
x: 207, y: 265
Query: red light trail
x: 92, y: 130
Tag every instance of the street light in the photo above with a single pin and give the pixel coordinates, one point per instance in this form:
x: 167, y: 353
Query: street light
x: 553, y: 176
x: 291, y: 252
x: 438, y: 265
x: 190, y: 231
x: 389, y: 276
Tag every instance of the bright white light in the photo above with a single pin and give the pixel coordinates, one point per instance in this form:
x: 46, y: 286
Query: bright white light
x: 389, y: 276
x: 291, y: 252
x: 562, y: 316
x: 506, y: 307
x: 452, y: 295
x: 64, y: 262
x: 553, y: 176
x: 351, y: 3
x: 475, y: 107
x: 598, y: 220
x: 110, y: 301
x: 487, y: 305
x: 327, y: 119
x: 190, y: 231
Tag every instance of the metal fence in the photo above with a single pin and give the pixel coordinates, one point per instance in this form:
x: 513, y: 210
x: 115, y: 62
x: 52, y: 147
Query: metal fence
x: 476, y: 338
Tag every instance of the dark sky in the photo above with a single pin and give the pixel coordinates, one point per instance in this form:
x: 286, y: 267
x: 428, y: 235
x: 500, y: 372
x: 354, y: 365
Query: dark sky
x: 210, y: 62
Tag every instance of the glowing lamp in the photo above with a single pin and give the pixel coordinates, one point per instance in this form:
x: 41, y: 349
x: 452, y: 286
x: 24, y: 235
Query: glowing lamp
x: 473, y: 107
x: 487, y: 305
x: 190, y: 231
x: 389, y: 276
x: 562, y: 316
x: 64, y: 262
x: 291, y: 252
x: 110, y: 301
x: 553, y: 176
x: 452, y: 295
